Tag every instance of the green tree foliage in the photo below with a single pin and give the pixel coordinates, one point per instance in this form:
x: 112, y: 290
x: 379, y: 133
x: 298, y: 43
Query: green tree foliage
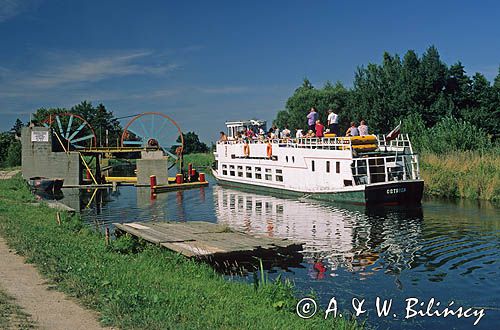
x: 98, y: 117
x: 6, y: 139
x: 422, y: 92
x: 192, y: 144
x: 10, y: 146
x: 16, y: 129
x: 307, y: 96
x: 13, y: 157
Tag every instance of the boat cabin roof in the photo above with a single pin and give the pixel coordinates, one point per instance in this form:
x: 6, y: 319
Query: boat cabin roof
x: 249, y: 122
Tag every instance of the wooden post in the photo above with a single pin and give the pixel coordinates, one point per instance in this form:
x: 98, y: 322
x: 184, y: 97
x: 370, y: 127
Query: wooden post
x: 107, y: 236
x: 190, y: 169
x: 152, y: 181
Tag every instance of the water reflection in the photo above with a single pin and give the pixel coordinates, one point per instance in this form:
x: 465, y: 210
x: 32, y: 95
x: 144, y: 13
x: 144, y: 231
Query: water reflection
x: 351, y: 238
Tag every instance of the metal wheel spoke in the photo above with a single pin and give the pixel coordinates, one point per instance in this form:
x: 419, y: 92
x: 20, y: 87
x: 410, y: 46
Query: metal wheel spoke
x: 68, y: 129
x: 170, y: 154
x: 133, y: 142
x: 59, y: 125
x: 90, y: 136
x: 146, y: 135
x: 77, y: 131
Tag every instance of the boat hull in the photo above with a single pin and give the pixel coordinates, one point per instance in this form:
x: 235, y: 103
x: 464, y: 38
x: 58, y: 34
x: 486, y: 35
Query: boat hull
x: 394, y: 193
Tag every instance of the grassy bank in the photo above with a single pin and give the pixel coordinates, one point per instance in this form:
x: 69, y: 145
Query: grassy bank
x: 462, y: 175
x: 199, y: 160
x: 141, y: 286
x: 11, y: 315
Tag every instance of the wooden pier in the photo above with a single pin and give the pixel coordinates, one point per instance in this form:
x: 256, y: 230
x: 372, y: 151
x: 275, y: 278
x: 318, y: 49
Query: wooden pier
x: 208, y: 240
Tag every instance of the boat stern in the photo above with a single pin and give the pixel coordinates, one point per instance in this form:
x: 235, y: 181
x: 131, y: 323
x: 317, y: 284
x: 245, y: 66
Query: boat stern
x: 402, y: 192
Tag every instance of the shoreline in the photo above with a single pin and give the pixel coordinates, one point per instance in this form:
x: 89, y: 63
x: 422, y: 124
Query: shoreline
x: 140, y: 286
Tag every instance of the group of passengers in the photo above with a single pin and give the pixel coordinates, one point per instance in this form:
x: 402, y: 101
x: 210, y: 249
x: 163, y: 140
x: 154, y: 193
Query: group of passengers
x: 316, y: 129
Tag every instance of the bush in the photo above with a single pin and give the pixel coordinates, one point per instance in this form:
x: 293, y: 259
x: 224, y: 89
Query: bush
x: 448, y: 135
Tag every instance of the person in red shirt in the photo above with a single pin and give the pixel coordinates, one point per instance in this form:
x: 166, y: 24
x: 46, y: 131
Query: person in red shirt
x: 319, y: 129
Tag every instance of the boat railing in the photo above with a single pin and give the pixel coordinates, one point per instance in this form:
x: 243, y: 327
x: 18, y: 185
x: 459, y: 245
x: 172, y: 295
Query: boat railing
x: 332, y: 143
x: 398, y: 144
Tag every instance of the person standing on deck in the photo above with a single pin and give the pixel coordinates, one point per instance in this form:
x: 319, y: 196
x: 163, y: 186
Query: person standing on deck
x: 299, y: 134
x: 319, y: 128
x: 312, y: 116
x: 286, y: 132
x: 353, y: 130
x: 362, y: 128
x: 333, y: 122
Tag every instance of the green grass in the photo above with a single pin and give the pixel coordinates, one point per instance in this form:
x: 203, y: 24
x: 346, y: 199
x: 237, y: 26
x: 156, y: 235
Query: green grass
x: 142, y: 286
x: 13, y: 316
x: 463, y: 174
x: 199, y: 160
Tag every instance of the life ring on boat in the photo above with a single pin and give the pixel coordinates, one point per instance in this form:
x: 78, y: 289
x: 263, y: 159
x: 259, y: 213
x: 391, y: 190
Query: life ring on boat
x: 269, y: 150
x: 246, y: 150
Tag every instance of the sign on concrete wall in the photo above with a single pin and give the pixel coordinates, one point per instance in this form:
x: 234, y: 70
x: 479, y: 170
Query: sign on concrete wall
x: 39, y: 136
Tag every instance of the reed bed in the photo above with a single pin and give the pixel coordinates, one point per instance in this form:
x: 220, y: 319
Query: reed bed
x: 462, y: 174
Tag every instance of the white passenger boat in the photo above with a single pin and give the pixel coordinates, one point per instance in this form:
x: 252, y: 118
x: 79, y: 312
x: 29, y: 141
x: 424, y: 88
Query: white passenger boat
x: 365, y: 169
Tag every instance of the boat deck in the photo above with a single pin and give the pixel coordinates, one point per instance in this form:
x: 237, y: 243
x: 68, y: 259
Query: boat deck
x: 207, y: 240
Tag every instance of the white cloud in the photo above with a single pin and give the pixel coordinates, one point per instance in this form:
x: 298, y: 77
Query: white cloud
x: 68, y: 69
x: 12, y: 8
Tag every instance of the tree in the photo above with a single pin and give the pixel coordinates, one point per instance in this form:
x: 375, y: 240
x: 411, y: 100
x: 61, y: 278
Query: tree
x: 6, y: 139
x: 16, y: 129
x: 192, y: 144
x: 13, y: 157
x: 307, y: 96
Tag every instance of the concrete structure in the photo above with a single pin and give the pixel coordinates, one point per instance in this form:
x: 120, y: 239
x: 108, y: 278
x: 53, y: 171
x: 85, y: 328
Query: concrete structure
x: 39, y: 158
x: 152, y: 163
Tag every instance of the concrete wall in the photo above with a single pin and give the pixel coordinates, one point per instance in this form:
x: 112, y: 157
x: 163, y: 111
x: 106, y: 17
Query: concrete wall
x: 147, y: 167
x: 38, y: 159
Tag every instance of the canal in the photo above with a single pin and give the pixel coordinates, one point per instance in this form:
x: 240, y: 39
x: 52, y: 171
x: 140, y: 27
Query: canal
x: 442, y: 250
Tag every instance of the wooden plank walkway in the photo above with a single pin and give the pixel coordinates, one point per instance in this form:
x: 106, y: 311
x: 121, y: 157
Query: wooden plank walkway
x: 205, y: 239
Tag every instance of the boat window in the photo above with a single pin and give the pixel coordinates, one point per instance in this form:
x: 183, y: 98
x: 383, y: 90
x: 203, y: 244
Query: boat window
x: 240, y: 167
x: 312, y: 165
x: 231, y: 167
x: 224, y: 166
x: 257, y: 169
x: 269, y: 177
x: 224, y: 172
x: 286, y: 159
x: 249, y: 175
x: 327, y: 166
x: 232, y: 173
x: 279, y: 178
x: 337, y: 169
x: 268, y: 170
x: 258, y: 176
x: 293, y: 159
x: 279, y: 171
x: 249, y: 168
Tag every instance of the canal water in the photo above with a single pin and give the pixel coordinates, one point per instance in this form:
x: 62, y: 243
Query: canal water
x: 448, y: 251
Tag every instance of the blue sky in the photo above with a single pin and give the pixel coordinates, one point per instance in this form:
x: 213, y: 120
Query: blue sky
x: 204, y: 62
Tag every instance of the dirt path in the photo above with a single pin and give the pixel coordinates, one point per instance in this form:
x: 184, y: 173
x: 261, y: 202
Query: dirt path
x: 49, y: 309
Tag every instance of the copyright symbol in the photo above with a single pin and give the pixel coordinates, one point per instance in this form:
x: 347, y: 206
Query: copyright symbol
x: 306, y: 308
